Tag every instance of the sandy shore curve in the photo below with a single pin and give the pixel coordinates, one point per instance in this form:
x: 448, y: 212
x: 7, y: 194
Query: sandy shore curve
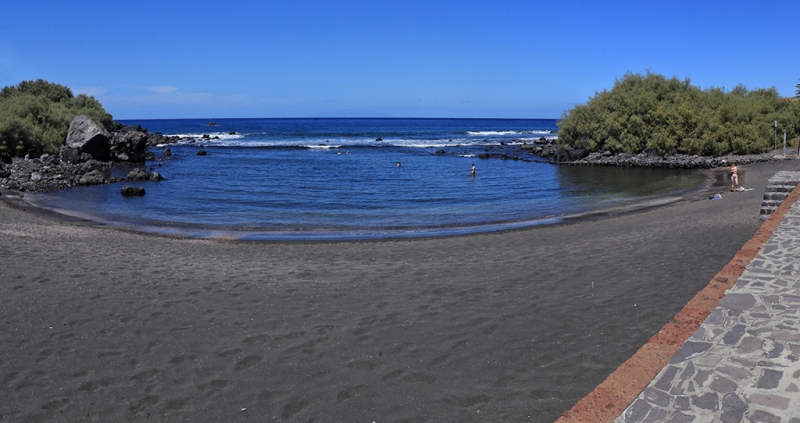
x: 104, y: 324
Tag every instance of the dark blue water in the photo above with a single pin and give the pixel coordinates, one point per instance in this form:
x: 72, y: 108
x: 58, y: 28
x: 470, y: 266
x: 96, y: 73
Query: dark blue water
x: 331, y: 177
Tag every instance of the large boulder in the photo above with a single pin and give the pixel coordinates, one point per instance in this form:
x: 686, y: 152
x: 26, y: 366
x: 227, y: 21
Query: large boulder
x: 87, y: 137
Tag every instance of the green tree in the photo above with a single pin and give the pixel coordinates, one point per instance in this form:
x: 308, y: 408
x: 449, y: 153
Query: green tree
x: 35, y: 116
x: 651, y: 112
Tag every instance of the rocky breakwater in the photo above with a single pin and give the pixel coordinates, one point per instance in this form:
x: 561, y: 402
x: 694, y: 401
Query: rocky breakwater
x: 551, y: 152
x: 86, y: 158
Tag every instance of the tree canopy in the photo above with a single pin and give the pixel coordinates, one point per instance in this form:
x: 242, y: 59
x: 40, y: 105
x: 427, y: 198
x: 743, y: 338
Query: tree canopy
x: 35, y: 116
x: 651, y: 112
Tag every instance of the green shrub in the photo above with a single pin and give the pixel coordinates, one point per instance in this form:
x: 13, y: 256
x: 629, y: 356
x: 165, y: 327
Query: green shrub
x: 672, y: 116
x: 35, y: 116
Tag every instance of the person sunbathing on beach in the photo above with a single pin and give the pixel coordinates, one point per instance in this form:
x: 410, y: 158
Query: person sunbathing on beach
x: 734, y: 177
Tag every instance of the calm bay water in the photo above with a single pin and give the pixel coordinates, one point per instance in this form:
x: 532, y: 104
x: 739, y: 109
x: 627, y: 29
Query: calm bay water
x: 333, y: 178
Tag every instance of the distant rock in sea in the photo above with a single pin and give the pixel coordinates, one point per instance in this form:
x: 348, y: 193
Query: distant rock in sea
x: 129, y: 191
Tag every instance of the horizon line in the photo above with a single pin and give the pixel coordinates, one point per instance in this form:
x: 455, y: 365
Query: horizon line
x: 340, y: 117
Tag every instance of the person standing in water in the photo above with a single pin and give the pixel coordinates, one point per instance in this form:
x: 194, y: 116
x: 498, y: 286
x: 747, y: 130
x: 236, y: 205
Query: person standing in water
x: 734, y: 177
x: 472, y: 172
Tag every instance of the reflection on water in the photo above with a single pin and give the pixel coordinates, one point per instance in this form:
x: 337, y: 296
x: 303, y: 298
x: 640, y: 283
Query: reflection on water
x: 623, y: 183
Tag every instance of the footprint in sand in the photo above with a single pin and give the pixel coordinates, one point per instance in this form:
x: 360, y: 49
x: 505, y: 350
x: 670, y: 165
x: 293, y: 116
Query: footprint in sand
x: 247, y: 362
x: 181, y: 358
x: 350, y: 391
x: 293, y: 408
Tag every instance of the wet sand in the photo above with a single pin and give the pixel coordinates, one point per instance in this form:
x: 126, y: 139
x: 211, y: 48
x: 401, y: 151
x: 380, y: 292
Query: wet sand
x: 108, y: 325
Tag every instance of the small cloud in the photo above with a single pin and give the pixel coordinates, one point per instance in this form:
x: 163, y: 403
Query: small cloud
x: 162, y: 89
x: 91, y: 91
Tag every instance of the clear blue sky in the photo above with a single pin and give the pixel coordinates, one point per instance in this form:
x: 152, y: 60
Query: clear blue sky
x: 534, y: 59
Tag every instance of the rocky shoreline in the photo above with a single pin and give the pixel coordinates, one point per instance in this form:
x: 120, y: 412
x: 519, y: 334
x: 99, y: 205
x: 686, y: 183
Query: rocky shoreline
x: 86, y: 158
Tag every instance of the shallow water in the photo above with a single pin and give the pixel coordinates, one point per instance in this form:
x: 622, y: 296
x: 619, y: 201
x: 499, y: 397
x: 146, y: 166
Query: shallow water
x: 330, y: 178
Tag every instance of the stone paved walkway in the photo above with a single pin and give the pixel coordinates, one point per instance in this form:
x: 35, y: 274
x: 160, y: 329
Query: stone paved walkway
x: 743, y: 363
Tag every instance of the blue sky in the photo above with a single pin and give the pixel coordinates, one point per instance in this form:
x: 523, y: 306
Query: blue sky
x: 534, y: 59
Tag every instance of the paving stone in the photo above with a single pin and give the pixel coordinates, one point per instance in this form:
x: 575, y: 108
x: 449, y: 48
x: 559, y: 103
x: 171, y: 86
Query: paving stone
x: 665, y: 382
x: 712, y: 360
x: 770, y: 401
x: 723, y: 385
x: 784, y: 336
x: 687, y: 373
x: 690, y: 349
x: 680, y: 417
x: 749, y: 344
x: 702, y: 376
x: 742, y: 361
x: 769, y: 379
x: 709, y: 401
x: 658, y: 415
x: 776, y: 351
x: 716, y: 318
x: 792, y: 388
x: 657, y: 397
x: 739, y: 373
x: 680, y: 389
x: 734, y: 335
x: 637, y: 411
x: 733, y: 408
x: 699, y: 334
x: 760, y: 416
x: 683, y: 403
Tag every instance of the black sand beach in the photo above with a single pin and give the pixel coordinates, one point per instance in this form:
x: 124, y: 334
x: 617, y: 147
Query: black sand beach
x: 106, y: 325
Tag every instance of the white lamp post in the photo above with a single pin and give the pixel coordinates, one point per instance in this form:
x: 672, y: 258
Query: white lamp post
x: 775, y: 133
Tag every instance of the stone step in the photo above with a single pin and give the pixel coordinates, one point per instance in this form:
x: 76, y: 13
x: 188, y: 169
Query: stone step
x: 778, y: 188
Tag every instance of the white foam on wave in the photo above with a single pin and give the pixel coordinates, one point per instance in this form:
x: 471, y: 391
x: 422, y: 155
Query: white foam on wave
x: 322, y: 147
x: 534, y: 139
x: 214, y: 135
x: 242, y: 141
x: 501, y: 133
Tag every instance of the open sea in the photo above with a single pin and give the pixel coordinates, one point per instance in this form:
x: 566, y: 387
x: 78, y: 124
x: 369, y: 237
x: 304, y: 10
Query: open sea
x: 358, y: 179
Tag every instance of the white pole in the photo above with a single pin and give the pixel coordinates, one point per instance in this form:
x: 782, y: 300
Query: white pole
x: 784, y: 143
x: 775, y: 134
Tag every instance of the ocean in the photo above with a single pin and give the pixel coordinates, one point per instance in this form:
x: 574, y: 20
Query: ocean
x: 359, y: 178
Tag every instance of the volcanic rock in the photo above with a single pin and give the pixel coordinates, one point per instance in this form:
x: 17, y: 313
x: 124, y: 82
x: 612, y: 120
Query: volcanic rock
x: 88, y: 138
x: 137, y: 174
x: 129, y: 191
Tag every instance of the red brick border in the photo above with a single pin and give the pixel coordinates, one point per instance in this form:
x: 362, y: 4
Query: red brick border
x: 609, y: 400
